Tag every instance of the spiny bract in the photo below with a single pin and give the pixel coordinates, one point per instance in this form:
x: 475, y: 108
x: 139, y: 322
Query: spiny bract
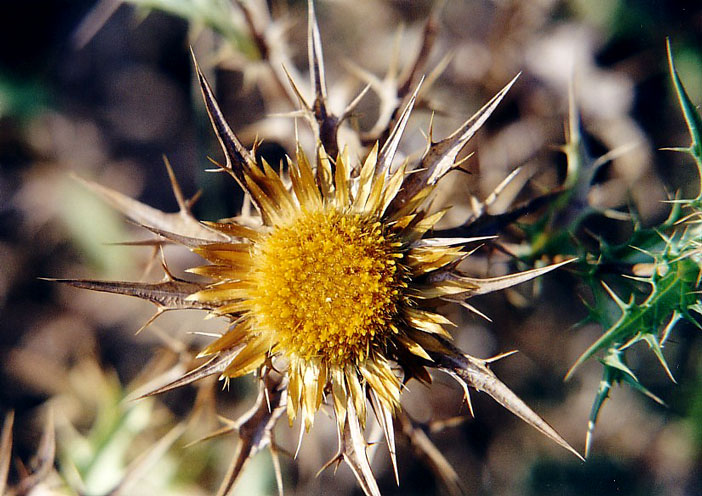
x: 331, y: 289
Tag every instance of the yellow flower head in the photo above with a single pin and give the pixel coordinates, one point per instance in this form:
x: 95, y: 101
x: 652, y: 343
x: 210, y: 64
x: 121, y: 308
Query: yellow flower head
x: 333, y: 282
x: 331, y: 289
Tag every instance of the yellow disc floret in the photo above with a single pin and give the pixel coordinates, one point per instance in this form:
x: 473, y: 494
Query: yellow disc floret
x: 326, y: 286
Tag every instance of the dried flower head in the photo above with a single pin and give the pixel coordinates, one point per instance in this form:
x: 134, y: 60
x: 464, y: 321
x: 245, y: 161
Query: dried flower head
x: 331, y: 288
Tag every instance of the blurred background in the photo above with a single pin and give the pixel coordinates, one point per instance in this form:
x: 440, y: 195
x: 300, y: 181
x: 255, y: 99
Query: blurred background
x: 103, y: 90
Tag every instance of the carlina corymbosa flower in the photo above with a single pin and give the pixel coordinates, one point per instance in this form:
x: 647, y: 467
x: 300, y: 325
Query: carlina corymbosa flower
x: 331, y: 287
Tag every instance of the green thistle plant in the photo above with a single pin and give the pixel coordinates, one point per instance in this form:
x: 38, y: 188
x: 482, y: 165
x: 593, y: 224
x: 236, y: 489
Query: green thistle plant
x: 672, y: 273
x: 662, y: 271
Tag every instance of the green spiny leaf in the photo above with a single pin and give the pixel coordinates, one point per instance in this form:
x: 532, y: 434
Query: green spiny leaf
x: 672, y: 291
x: 615, y: 372
x: 692, y: 117
x: 655, y: 346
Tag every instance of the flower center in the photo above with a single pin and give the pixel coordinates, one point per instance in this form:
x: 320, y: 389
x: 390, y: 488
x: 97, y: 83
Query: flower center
x: 326, y: 286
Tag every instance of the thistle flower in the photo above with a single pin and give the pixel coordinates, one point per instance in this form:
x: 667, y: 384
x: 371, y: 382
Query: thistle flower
x: 331, y: 288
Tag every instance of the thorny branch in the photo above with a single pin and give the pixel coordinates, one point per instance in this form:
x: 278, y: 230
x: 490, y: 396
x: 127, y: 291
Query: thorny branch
x: 425, y: 449
x: 393, y: 90
x: 255, y: 427
x: 475, y: 373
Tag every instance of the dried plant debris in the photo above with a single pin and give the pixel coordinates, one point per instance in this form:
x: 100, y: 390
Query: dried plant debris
x: 332, y: 284
x: 36, y: 475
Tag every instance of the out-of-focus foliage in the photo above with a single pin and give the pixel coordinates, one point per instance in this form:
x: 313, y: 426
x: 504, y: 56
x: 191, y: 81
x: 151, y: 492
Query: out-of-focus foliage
x: 108, y: 110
